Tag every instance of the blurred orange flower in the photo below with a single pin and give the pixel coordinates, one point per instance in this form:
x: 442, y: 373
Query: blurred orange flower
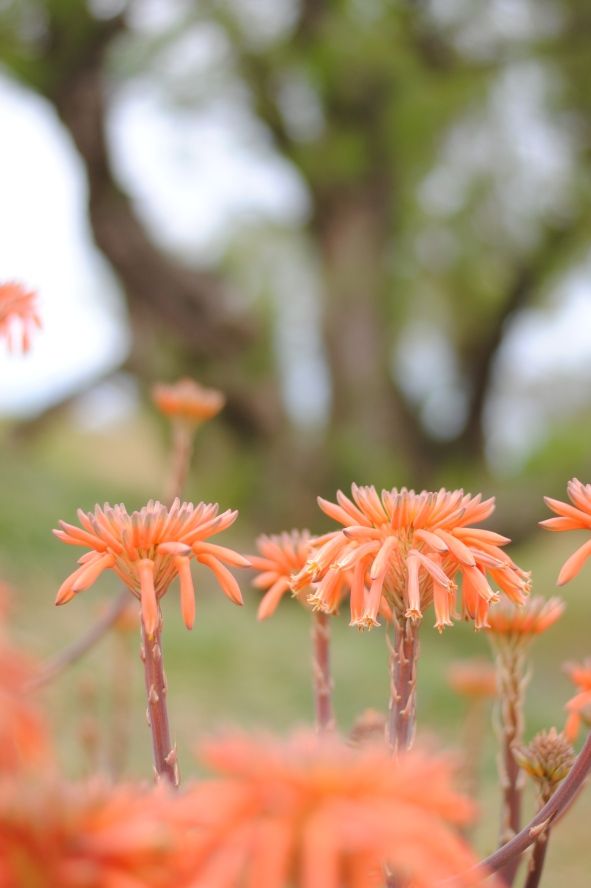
x: 188, y: 400
x: 409, y: 548
x: 579, y: 707
x: 24, y: 741
x: 90, y: 836
x: 473, y: 678
x: 308, y: 812
x: 148, y: 548
x: 17, y: 309
x: 575, y: 517
x: 520, y: 623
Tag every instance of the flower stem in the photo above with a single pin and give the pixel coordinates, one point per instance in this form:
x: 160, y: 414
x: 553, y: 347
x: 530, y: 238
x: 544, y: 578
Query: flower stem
x: 75, y: 651
x: 559, y: 802
x: 538, y: 858
x: 404, y: 653
x: 165, y: 758
x: 321, y: 668
x: 182, y: 448
x: 512, y: 681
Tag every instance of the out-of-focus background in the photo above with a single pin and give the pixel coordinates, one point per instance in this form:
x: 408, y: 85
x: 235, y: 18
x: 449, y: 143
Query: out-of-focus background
x: 369, y: 223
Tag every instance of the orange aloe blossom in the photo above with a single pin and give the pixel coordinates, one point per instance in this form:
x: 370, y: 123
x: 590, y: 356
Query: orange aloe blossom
x: 572, y: 517
x: 18, y: 309
x: 410, y: 549
x: 314, y: 811
x: 147, y: 550
x: 281, y: 557
x: 187, y: 404
x: 579, y: 706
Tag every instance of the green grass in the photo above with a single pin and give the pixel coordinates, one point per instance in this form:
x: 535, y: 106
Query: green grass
x: 232, y: 670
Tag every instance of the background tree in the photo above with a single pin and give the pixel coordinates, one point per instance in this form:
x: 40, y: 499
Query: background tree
x: 431, y: 225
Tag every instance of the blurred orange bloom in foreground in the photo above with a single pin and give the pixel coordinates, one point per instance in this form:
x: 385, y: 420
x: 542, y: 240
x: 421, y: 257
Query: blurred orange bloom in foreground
x: 188, y: 400
x: 312, y: 812
x: 18, y: 309
x: 575, y: 517
x: 409, y: 548
x: 23, y: 733
x: 89, y: 836
x: 148, y: 548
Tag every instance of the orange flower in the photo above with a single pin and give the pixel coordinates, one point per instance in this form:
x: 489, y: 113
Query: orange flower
x: 90, y: 836
x: 188, y: 400
x: 409, y: 548
x: 17, y: 308
x: 473, y: 678
x: 579, y: 707
x: 281, y: 557
x: 147, y: 549
x: 575, y: 517
x: 308, y: 812
x: 517, y: 624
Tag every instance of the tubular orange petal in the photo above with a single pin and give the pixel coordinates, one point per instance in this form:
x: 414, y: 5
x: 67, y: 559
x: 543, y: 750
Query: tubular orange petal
x: 92, y: 571
x: 226, y: 580
x: 271, y: 599
x: 187, y: 590
x: 573, y: 565
x: 149, y: 603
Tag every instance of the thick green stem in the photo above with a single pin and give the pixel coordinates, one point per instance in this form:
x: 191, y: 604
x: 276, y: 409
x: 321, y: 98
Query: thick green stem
x: 165, y: 758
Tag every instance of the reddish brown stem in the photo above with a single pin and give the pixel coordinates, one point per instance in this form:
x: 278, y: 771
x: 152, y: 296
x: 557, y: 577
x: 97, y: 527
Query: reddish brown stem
x: 512, y: 681
x: 404, y: 652
x: 182, y: 448
x: 78, y: 648
x: 560, y: 801
x: 322, y: 677
x: 165, y: 758
x: 121, y: 704
x: 537, y: 861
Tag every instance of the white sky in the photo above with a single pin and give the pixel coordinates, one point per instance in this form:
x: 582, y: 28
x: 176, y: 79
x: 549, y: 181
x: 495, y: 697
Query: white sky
x: 45, y: 242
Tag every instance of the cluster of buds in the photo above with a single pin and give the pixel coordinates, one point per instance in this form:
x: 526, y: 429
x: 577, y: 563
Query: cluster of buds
x: 547, y: 759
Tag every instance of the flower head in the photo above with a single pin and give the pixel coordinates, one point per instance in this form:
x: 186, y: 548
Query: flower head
x: 148, y: 548
x: 572, y: 517
x: 579, y: 707
x: 18, y: 309
x: 86, y: 836
x: 281, y: 557
x: 475, y: 679
x: 187, y: 400
x: 518, y: 624
x: 410, y: 549
x: 309, y: 812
